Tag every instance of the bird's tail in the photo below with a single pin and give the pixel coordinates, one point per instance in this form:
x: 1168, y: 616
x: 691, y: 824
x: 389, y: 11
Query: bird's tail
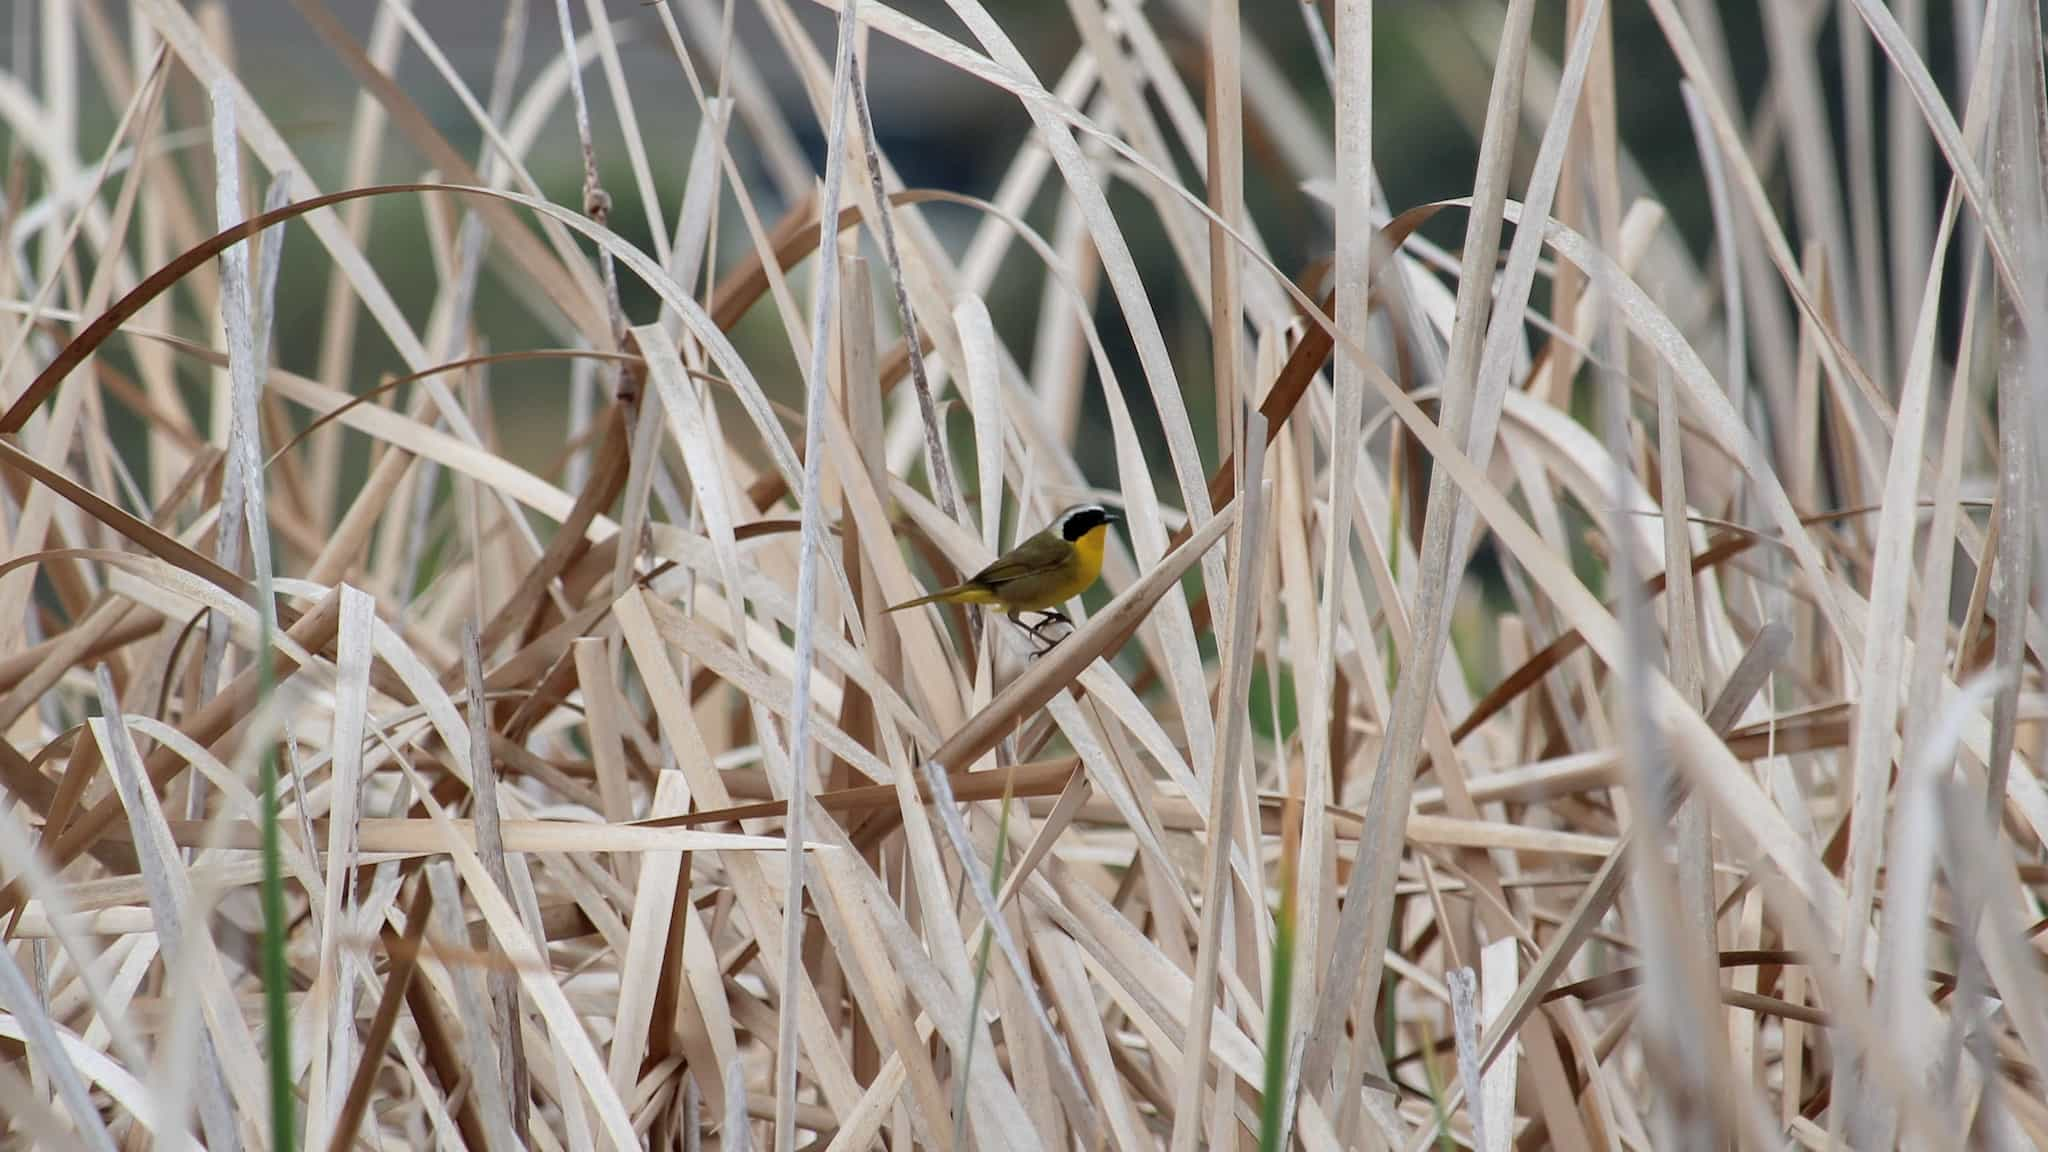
x: 934, y: 598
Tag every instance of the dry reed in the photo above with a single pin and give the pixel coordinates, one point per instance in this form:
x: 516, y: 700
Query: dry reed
x: 367, y: 780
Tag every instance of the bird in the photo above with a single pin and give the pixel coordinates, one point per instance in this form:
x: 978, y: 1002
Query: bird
x: 1039, y: 574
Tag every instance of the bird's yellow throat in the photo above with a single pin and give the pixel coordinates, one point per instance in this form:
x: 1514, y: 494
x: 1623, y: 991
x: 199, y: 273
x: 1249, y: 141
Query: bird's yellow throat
x: 1089, y: 548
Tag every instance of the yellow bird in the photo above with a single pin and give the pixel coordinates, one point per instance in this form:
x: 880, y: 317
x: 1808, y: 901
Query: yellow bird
x: 1039, y: 574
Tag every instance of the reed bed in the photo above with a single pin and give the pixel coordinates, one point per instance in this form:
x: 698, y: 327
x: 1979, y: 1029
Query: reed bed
x: 1569, y: 677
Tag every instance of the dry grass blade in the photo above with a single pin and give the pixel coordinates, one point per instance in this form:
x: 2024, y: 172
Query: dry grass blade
x: 1756, y: 666
x: 1366, y: 914
x: 170, y: 899
x: 817, y: 402
x: 397, y: 982
x: 509, y: 1019
x: 978, y: 882
x: 1224, y: 789
x: 1464, y: 986
x: 21, y: 1000
x: 585, y: 513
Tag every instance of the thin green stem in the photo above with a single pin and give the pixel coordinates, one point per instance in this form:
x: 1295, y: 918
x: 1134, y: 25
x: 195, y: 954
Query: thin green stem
x: 276, y: 975
x: 1272, y: 1122
x: 995, y: 884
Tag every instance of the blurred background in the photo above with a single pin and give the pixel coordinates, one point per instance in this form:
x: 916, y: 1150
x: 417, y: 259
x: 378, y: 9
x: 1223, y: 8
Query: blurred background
x: 940, y: 128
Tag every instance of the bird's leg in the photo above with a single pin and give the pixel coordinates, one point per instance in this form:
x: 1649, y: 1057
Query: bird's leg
x: 1046, y: 618
x: 1040, y: 645
x: 1017, y: 618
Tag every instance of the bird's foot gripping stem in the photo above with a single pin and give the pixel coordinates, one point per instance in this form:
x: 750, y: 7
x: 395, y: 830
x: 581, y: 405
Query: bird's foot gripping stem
x: 1037, y: 630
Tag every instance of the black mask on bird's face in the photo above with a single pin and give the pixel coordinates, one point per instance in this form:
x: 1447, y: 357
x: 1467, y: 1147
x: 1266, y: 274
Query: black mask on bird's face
x: 1082, y: 519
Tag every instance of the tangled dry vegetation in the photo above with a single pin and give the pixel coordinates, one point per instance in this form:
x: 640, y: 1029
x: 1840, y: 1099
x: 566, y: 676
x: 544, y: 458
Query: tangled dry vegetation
x: 366, y: 784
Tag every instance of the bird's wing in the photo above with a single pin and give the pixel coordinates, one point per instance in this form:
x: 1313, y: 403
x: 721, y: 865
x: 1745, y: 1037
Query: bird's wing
x: 1004, y: 571
x: 1031, y: 558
